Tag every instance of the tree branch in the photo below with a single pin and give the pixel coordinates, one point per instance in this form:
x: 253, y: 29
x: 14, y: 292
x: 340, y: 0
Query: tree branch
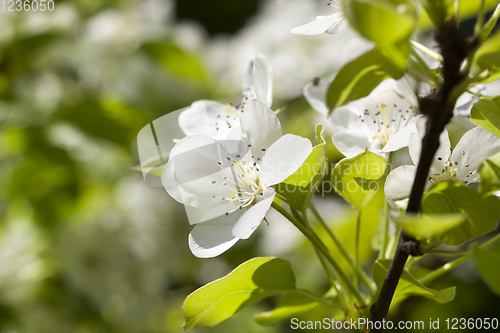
x: 438, y: 106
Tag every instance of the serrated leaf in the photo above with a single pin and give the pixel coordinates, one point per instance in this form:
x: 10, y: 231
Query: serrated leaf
x: 359, y: 77
x: 357, y: 179
x: 409, y: 285
x: 484, y: 259
x: 250, y: 282
x: 452, y: 197
x: 299, y: 188
x: 428, y: 226
x: 486, y: 113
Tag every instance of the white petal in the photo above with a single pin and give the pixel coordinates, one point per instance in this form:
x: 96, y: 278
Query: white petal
x: 319, y: 26
x: 252, y: 218
x: 212, y: 119
x: 209, y: 239
x: 475, y: 146
x: 315, y: 95
x: 260, y: 127
x: 202, y: 168
x: 353, y: 143
x: 442, y: 154
x: 283, y: 158
x: 465, y: 102
x: 168, y: 177
x: 398, y: 183
x: 347, y: 119
x: 401, y: 138
x: 258, y: 80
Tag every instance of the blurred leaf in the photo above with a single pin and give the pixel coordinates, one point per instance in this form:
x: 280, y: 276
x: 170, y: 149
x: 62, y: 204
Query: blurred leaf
x: 92, y: 118
x: 452, y: 197
x: 359, y: 77
x: 409, y: 286
x: 175, y: 60
x: 486, y: 113
x: 490, y: 175
x: 299, y: 188
x: 357, y: 179
x: 292, y: 305
x: 250, y: 282
x: 428, y: 226
x: 436, y: 10
x: 468, y: 10
x: 388, y: 23
x: 485, y: 261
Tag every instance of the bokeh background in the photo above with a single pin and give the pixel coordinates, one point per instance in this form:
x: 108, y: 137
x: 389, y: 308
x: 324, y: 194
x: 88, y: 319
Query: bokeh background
x: 85, y: 244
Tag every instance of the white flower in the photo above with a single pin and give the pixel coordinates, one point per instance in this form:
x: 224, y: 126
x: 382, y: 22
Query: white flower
x: 226, y: 185
x: 330, y: 24
x: 221, y: 121
x: 381, y: 122
x: 461, y: 164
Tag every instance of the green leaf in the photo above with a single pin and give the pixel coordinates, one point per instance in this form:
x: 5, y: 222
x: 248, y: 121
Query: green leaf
x: 357, y: 179
x: 409, y: 285
x: 488, y: 55
x: 292, y: 304
x: 490, y: 175
x: 299, y: 188
x: 485, y: 262
x: 388, y: 23
x: 486, y: 113
x: 359, y: 77
x: 250, y: 282
x: 452, y: 197
x: 175, y: 60
x: 428, y: 226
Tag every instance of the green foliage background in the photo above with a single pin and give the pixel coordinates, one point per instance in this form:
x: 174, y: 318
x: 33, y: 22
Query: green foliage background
x: 85, y: 244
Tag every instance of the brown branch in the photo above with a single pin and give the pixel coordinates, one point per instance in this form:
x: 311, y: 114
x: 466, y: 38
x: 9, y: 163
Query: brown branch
x: 439, y: 109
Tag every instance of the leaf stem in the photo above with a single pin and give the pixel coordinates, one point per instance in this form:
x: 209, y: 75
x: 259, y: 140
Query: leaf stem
x: 429, y: 52
x: 331, y: 274
x: 372, y: 287
x: 356, y: 249
x: 457, y: 11
x: 478, y: 28
x: 452, y: 264
x: 385, y: 229
x: 318, y: 244
x: 488, y: 27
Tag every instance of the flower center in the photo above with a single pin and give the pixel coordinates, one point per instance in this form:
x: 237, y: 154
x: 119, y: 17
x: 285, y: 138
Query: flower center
x: 385, y: 120
x: 244, y: 184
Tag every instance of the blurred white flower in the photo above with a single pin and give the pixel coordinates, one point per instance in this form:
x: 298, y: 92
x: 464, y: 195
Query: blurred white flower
x: 330, y: 24
x: 20, y: 262
x: 461, y: 163
x: 216, y: 181
x: 221, y: 121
